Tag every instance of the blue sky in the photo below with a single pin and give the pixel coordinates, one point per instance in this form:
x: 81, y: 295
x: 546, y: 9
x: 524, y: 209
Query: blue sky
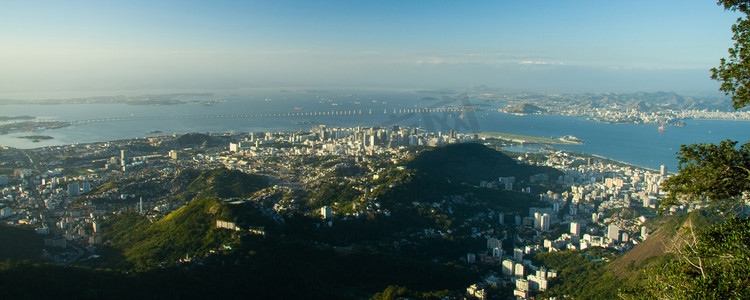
x: 515, y: 45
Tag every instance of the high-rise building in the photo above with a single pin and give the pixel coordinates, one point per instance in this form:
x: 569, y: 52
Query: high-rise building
x: 613, y: 232
x: 123, y: 158
x: 74, y: 189
x: 663, y: 170
x: 518, y: 254
x: 5, y: 212
x: 325, y: 212
x: 544, y: 222
x: 508, y: 267
x: 575, y: 228
x: 537, y: 283
x: 494, y: 243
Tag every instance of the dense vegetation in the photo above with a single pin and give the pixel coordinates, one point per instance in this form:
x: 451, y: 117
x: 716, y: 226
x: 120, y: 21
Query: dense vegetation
x: 224, y: 183
x: 472, y: 163
x: 582, y: 274
x: 187, y: 232
x: 20, y: 243
x: 713, y: 262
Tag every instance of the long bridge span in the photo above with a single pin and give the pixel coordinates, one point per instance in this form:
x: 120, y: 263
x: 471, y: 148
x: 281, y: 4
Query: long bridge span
x: 271, y: 115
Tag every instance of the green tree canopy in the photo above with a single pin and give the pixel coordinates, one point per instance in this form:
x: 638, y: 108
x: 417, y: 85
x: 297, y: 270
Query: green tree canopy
x: 713, y: 263
x: 734, y: 71
x: 719, y: 173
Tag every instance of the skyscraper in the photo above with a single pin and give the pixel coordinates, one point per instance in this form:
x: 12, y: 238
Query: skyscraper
x: 122, y: 157
x: 575, y: 228
x: 544, y: 224
x: 325, y: 212
x: 613, y: 232
x: 74, y: 189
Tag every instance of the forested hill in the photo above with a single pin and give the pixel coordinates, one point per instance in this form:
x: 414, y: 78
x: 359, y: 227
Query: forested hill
x: 472, y: 163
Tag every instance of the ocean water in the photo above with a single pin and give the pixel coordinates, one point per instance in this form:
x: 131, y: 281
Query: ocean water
x: 253, y: 110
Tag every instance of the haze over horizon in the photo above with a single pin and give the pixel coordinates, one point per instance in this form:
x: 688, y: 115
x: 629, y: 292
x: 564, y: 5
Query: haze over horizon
x: 578, y: 46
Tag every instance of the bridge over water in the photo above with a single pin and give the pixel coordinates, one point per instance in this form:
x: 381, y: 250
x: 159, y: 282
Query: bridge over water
x: 271, y: 115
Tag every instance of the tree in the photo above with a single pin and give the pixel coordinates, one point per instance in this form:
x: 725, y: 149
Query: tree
x: 713, y: 262
x: 734, y: 71
x: 718, y: 173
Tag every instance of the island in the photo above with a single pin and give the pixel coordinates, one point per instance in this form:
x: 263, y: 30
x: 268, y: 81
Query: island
x: 36, y: 138
x: 31, y: 126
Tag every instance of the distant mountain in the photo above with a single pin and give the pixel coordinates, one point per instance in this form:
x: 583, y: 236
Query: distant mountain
x: 647, y: 102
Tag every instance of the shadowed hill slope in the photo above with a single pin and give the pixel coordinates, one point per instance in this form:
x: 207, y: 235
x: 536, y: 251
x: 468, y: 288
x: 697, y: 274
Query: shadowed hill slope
x: 671, y: 235
x: 472, y: 163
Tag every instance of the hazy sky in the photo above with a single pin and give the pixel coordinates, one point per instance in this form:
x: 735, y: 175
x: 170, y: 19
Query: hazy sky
x: 521, y: 45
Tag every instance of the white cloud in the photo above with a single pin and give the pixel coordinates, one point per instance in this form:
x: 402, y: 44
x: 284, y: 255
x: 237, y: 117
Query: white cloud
x: 539, y: 62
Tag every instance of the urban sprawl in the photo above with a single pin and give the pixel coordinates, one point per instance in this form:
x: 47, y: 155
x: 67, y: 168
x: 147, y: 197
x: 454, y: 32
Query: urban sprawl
x: 52, y: 189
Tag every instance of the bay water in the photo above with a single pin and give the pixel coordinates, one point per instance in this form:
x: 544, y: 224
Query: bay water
x: 255, y: 110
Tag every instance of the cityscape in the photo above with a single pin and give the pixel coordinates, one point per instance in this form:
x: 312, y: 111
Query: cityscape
x: 586, y: 211
x: 384, y: 150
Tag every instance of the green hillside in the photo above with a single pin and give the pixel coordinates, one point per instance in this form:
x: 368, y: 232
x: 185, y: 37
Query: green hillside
x: 596, y: 273
x: 224, y: 183
x: 187, y: 232
x: 184, y: 255
x: 671, y: 234
x: 426, y: 195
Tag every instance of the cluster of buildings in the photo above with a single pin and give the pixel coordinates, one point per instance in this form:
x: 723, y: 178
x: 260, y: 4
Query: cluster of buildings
x: 586, y: 214
x: 584, y: 210
x: 668, y: 116
x: 35, y: 200
x: 357, y: 141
